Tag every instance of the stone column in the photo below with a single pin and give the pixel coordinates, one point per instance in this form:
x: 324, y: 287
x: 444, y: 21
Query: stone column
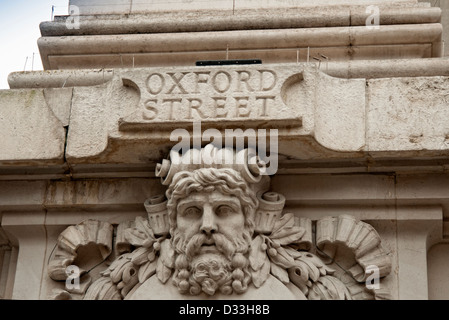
x: 444, y: 5
x: 29, y: 235
x: 418, y: 228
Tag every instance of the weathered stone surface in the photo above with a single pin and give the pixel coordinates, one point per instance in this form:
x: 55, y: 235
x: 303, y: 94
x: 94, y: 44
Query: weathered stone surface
x: 94, y: 117
x: 373, y: 198
x: 367, y: 69
x: 342, y: 100
x: 275, y: 18
x: 58, y: 78
x: 395, y: 68
x: 105, y: 193
x: 419, y: 236
x: 271, y: 46
x: 437, y: 272
x: 278, y: 32
x: 139, y: 105
x: 129, y: 6
x: 22, y: 193
x: 408, y: 114
x: 217, y: 97
x: 60, y: 102
x: 31, y: 130
x: 113, y: 123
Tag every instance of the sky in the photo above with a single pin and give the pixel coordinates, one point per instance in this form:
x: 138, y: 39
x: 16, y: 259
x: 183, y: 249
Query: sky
x: 19, y: 31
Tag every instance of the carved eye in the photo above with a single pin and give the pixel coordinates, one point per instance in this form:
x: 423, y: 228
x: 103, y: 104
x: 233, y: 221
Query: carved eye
x: 192, y: 212
x: 224, y: 210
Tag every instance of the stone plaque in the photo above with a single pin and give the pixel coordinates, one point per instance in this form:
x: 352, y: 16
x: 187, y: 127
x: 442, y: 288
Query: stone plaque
x: 231, y: 96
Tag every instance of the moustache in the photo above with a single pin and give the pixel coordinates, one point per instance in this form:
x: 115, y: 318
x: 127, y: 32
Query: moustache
x: 220, y: 241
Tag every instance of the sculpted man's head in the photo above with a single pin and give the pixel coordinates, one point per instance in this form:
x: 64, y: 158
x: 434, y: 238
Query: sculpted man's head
x: 211, y: 214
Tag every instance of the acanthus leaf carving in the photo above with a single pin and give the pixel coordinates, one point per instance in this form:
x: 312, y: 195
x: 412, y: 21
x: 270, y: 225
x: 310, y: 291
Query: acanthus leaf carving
x: 141, y: 234
x: 285, y: 231
x: 141, y: 255
x: 147, y: 270
x: 261, y: 275
x: 166, y: 261
x: 279, y: 272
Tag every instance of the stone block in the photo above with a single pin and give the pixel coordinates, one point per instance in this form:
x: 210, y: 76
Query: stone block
x: 408, y: 114
x: 438, y: 258
x: 340, y: 113
x: 87, y: 7
x: 130, y: 119
x: 31, y: 131
x: 60, y: 102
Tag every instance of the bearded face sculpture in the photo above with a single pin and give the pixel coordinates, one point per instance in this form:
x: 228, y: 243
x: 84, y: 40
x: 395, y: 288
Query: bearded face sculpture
x: 211, y: 215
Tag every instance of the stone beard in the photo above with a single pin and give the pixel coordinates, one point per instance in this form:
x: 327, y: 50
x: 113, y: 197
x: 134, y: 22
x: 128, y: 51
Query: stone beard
x: 211, y: 214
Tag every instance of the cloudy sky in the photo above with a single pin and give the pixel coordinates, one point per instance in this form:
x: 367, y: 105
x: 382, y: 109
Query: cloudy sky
x: 19, y: 31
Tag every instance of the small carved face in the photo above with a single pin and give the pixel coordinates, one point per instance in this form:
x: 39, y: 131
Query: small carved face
x: 210, y: 213
x: 213, y: 272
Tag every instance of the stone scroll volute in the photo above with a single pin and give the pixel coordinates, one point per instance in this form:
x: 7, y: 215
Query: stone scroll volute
x: 219, y: 232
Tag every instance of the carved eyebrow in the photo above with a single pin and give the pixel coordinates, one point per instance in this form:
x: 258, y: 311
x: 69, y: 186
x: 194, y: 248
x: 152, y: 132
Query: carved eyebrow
x: 234, y: 205
x: 185, y: 204
x: 182, y: 205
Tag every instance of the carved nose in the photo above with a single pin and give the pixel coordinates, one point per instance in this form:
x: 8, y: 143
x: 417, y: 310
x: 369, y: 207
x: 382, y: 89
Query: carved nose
x: 208, y: 225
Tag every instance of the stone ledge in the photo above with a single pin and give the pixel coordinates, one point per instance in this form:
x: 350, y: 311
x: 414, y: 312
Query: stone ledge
x: 32, y: 133
x: 59, y: 78
x: 338, y: 43
x: 201, y: 21
x: 267, y: 56
x: 366, y: 196
x: 130, y: 6
x: 367, y: 69
x: 347, y: 125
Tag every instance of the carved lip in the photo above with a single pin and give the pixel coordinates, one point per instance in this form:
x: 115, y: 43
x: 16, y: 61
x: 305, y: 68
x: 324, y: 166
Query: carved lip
x: 208, y: 246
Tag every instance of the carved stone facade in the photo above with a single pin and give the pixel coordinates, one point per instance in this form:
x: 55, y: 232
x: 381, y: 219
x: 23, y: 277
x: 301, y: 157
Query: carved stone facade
x: 222, y: 234
x: 318, y: 171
